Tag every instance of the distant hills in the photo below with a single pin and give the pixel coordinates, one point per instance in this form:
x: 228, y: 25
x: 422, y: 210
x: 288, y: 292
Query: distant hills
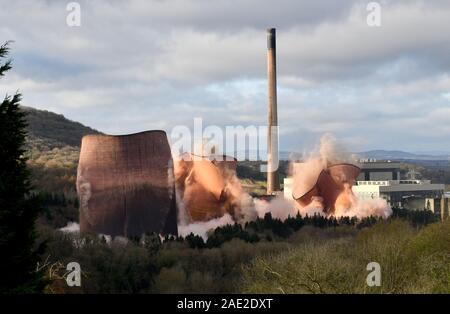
x: 48, y: 130
x: 400, y: 155
x: 54, y: 130
x: 381, y: 154
x: 53, y: 148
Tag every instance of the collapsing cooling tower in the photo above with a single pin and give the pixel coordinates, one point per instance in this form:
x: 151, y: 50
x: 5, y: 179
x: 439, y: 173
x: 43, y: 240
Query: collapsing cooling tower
x: 331, y: 185
x: 125, y: 185
x: 201, y: 183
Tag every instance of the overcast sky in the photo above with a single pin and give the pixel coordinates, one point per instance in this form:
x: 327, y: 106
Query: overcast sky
x: 140, y: 65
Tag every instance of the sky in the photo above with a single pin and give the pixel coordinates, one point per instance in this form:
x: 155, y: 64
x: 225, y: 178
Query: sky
x: 140, y: 65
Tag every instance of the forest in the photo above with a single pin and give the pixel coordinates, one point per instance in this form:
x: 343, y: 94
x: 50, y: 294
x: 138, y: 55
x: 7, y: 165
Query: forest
x: 299, y: 255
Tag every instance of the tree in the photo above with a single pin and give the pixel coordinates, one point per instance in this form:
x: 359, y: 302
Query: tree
x: 18, y: 208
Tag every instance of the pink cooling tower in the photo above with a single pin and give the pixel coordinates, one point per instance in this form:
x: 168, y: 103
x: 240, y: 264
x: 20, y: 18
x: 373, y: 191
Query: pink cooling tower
x: 126, y: 186
x: 328, y: 184
x: 201, y: 183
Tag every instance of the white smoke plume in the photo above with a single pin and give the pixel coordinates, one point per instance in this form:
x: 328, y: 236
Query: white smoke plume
x: 279, y: 207
x: 246, y: 208
x: 330, y: 152
x: 72, y: 227
x: 201, y: 228
x: 365, y: 208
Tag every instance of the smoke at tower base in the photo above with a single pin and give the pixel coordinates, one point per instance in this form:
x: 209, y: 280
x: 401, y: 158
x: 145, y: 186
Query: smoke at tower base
x: 209, y: 194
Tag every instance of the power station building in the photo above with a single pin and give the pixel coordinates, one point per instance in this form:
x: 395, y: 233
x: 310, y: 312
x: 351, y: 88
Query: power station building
x: 372, y: 170
x: 381, y: 179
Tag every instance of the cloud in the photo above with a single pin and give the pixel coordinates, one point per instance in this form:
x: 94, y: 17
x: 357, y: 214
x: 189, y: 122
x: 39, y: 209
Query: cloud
x: 139, y: 65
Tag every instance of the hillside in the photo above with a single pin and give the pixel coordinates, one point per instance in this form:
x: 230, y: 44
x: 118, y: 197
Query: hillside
x: 53, y: 138
x: 53, y: 147
x: 400, y: 155
x: 54, y: 130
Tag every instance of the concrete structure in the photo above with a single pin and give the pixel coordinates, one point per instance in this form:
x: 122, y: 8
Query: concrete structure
x: 201, y: 183
x: 287, y: 188
x: 382, y: 179
x: 328, y: 188
x: 125, y: 185
x: 379, y: 179
x: 445, y: 206
x: 413, y: 194
x: 273, y: 181
x: 379, y: 170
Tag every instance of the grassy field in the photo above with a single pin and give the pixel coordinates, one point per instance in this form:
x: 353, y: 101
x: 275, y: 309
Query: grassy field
x: 411, y: 260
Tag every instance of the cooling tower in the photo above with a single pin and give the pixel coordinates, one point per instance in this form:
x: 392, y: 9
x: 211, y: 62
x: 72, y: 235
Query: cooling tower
x: 201, y: 183
x: 330, y: 185
x: 125, y: 185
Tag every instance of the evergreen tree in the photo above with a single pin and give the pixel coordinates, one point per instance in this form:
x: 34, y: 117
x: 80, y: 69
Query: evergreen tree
x: 18, y: 208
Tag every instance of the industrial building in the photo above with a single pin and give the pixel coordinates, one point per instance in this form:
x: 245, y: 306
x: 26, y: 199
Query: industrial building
x: 382, y: 179
x: 372, y: 170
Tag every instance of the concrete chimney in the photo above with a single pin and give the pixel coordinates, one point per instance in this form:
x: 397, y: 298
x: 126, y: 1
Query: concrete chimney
x: 273, y: 181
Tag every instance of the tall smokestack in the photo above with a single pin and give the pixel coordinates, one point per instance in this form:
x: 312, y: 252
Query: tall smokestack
x: 273, y: 183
